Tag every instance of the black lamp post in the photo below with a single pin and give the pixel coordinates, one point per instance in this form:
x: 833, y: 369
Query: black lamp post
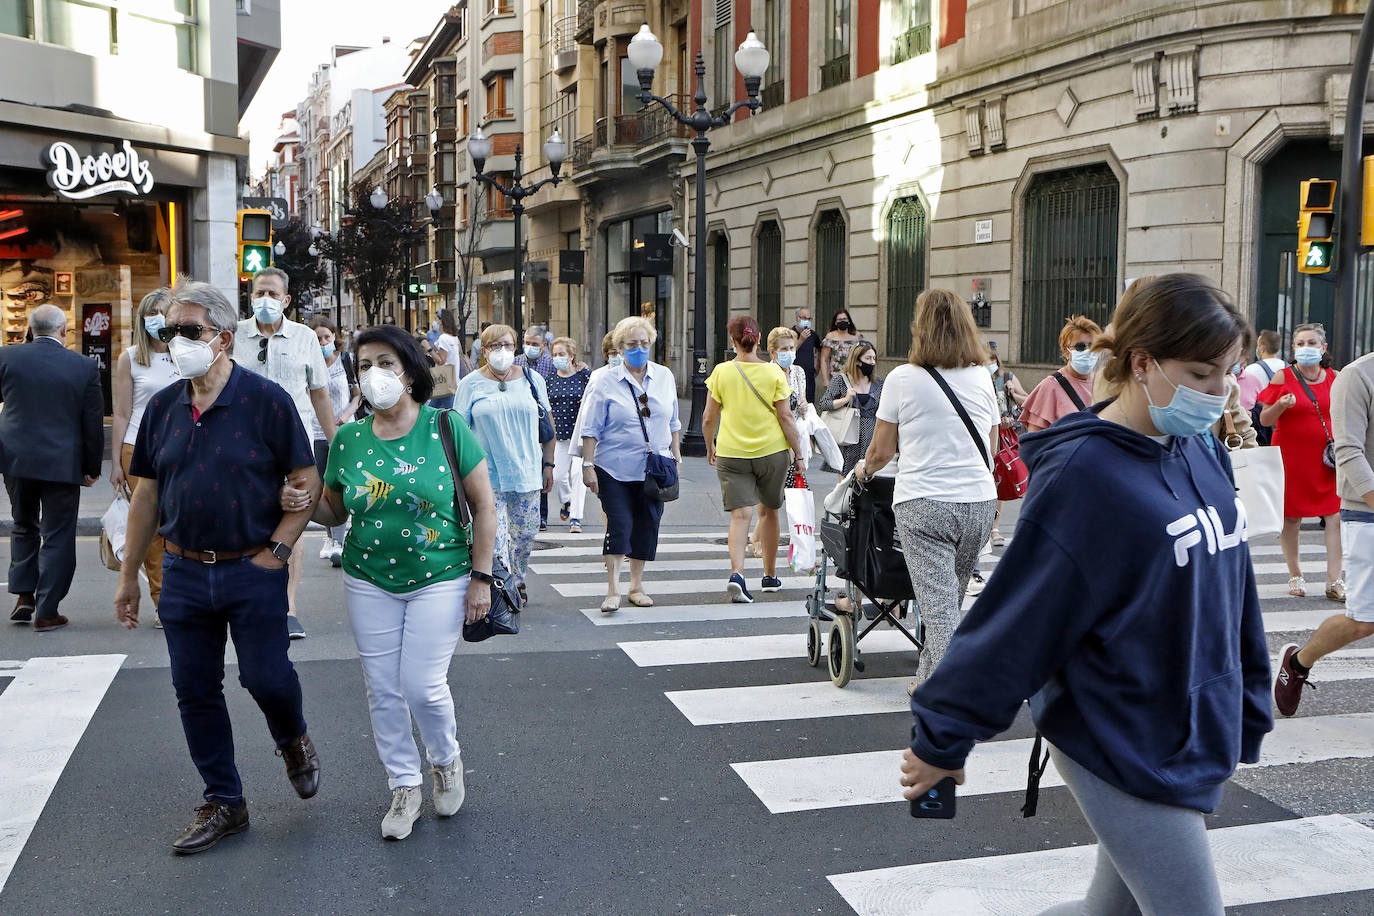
x: 555, y: 151
x: 645, y: 53
x: 434, y: 202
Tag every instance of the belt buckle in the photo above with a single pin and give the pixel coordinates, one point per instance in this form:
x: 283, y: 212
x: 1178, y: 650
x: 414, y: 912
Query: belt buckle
x: 212, y: 555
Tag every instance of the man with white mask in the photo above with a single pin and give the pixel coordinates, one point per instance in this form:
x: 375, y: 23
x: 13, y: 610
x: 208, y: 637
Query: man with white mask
x: 289, y: 354
x: 226, y: 549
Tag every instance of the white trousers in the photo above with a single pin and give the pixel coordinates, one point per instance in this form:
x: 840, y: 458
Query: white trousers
x: 567, y: 478
x: 406, y: 643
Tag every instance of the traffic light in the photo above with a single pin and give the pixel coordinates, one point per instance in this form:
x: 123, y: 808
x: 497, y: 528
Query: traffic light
x: 1316, y: 225
x: 413, y: 289
x: 1367, y: 210
x: 255, y: 241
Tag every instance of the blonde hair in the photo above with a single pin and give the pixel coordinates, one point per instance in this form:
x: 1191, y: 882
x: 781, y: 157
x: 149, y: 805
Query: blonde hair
x: 158, y: 299
x: 778, y: 334
x: 494, y: 332
x: 943, y: 333
x: 570, y: 344
x: 1079, y: 324
x: 856, y: 352
x: 633, y: 323
x: 607, y: 344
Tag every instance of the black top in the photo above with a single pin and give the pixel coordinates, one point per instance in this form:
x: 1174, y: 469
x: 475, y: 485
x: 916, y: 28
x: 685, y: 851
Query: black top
x: 565, y: 397
x: 806, y: 358
x: 52, y: 425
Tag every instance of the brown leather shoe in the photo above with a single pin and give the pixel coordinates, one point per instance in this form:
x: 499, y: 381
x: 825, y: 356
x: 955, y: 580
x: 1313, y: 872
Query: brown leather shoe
x: 213, y: 822
x: 48, y: 624
x: 23, y: 608
x: 302, y: 765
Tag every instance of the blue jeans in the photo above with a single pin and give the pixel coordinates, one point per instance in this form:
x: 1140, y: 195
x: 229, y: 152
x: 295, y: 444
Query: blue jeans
x: 199, y: 605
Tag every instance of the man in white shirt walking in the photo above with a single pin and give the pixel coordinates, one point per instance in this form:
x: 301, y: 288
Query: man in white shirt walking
x: 288, y: 353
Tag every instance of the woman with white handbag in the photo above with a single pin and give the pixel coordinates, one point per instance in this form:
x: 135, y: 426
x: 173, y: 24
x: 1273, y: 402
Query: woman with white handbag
x: 850, y: 403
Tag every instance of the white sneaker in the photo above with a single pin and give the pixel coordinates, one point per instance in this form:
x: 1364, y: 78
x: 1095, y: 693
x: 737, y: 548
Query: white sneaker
x: 336, y: 555
x: 327, y: 547
x: 405, y: 808
x: 449, y: 790
x: 975, y: 584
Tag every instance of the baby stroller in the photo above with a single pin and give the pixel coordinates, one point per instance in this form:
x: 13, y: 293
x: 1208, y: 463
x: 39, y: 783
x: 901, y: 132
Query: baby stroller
x: 859, y: 536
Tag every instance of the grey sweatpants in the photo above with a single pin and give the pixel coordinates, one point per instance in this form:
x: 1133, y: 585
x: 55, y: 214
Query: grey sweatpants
x: 1151, y: 858
x: 941, y: 542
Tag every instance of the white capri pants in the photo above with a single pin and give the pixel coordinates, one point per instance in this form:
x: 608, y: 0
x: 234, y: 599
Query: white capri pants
x: 1357, y: 540
x: 567, y: 478
x: 406, y: 643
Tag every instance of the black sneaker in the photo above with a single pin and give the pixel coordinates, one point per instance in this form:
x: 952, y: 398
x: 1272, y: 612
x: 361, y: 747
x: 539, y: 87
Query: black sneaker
x: 770, y: 584
x: 294, y: 629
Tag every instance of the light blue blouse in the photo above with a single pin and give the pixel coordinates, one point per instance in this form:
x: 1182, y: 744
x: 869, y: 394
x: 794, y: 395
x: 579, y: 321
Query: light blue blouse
x: 506, y: 424
x: 612, y: 418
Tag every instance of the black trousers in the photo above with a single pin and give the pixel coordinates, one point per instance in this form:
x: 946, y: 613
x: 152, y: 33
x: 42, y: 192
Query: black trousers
x: 43, y: 540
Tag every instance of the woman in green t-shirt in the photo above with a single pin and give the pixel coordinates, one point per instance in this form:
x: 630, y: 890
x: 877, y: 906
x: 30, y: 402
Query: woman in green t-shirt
x: 408, y: 562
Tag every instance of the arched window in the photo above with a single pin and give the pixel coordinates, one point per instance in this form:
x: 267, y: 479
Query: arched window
x: 768, y: 281
x: 1070, y: 255
x: 906, y: 270
x: 830, y: 267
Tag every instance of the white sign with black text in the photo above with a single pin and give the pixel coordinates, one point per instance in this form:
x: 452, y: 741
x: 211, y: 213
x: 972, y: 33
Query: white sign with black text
x: 982, y: 231
x: 78, y: 177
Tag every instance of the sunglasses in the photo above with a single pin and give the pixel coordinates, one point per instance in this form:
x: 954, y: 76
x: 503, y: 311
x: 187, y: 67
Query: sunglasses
x: 643, y: 405
x: 262, y: 350
x: 1080, y: 346
x: 170, y: 332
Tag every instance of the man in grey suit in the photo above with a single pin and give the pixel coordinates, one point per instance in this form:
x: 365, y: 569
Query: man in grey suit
x: 51, y: 444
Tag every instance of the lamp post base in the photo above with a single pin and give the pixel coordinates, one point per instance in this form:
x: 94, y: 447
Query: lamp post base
x: 694, y: 438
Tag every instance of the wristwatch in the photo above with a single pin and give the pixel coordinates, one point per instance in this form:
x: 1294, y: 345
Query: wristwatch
x: 279, y: 550
x: 482, y: 577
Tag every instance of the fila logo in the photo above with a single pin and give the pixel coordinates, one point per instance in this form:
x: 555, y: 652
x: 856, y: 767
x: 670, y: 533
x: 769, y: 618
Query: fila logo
x: 1190, y: 531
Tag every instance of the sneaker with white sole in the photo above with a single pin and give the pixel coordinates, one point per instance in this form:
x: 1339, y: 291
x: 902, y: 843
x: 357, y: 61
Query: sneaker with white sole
x: 449, y: 790
x: 738, y: 590
x: 975, y: 584
x: 327, y: 547
x: 1288, y: 684
x: 770, y: 584
x: 405, y: 808
x: 336, y: 555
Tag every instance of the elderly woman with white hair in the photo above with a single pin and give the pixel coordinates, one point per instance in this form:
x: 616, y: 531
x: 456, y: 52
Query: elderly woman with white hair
x: 629, y: 413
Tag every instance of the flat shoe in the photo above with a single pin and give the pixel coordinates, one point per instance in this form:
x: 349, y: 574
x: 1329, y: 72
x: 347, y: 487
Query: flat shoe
x: 610, y: 605
x: 1335, y: 591
x: 639, y: 599
x: 1297, y: 587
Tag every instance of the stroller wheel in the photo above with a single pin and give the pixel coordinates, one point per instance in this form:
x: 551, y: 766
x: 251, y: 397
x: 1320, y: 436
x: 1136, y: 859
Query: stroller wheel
x: 840, y: 651
x: 813, y: 644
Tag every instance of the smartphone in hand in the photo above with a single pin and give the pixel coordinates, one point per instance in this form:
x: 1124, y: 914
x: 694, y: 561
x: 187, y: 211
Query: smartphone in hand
x: 937, y: 802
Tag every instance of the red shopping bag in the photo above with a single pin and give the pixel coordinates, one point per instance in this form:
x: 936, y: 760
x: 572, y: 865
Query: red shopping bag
x: 1009, y: 472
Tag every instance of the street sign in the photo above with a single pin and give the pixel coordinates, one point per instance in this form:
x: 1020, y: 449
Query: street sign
x: 277, y: 206
x: 570, y: 266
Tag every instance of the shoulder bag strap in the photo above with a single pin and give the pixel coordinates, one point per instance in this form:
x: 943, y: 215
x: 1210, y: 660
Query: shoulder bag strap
x: 634, y: 402
x: 1069, y: 390
x: 460, y: 497
x: 1264, y: 366
x: 745, y: 376
x: 963, y: 414
x: 1313, y: 398
x: 533, y: 393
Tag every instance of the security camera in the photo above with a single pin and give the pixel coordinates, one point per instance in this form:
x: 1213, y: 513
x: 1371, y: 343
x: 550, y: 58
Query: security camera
x: 681, y: 239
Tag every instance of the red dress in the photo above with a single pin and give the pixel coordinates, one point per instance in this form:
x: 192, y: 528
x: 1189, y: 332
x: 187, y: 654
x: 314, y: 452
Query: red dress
x: 1309, y: 486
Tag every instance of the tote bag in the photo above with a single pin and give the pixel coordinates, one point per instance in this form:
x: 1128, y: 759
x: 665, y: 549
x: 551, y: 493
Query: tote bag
x: 801, y: 520
x: 843, y: 423
x: 1259, y: 484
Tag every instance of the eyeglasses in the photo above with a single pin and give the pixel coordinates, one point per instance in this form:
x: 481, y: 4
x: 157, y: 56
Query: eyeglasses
x: 170, y: 332
x: 1080, y: 346
x: 262, y: 350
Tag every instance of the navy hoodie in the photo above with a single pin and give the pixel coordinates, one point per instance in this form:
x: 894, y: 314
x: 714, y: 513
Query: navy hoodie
x: 1125, y: 608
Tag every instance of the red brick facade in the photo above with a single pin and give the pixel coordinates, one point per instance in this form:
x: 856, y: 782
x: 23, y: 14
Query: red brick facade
x: 503, y: 43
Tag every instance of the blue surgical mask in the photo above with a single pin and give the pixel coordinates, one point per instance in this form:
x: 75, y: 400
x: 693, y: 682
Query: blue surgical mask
x: 327, y: 351
x: 561, y: 363
x: 635, y: 357
x: 531, y: 352
x: 992, y: 367
x: 804, y: 323
x: 615, y: 361
x: 267, y: 310
x: 786, y: 358
x: 1307, y: 356
x: 154, y: 323
x: 1083, y: 361
x: 1188, y: 413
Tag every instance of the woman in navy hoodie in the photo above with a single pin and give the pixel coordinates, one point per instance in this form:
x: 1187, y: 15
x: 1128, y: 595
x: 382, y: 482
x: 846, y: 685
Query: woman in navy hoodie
x: 1134, y: 632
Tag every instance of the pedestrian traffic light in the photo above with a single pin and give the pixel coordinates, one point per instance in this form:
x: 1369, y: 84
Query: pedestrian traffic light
x: 255, y: 241
x: 1367, y: 205
x: 413, y: 289
x: 1316, y: 225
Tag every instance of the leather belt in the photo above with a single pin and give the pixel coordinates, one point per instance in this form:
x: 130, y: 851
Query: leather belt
x: 211, y: 557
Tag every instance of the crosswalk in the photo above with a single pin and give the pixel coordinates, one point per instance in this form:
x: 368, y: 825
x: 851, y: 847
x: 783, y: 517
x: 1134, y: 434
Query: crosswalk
x: 756, y: 678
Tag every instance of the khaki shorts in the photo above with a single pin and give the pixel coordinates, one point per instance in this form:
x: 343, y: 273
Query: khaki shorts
x: 750, y: 481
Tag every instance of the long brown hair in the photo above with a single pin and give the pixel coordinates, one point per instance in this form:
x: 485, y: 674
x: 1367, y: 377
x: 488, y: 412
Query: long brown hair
x: 943, y: 333
x: 856, y: 353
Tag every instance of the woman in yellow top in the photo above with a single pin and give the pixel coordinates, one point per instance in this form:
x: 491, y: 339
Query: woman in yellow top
x: 752, y: 441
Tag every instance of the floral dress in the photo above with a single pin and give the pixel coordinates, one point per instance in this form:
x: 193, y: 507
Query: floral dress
x: 839, y: 352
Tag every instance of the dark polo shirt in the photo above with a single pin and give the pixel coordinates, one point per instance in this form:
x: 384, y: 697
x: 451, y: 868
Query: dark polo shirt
x: 219, y: 475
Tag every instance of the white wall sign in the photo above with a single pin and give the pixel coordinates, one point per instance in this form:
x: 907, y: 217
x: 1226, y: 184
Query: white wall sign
x: 982, y: 231
x: 79, y: 178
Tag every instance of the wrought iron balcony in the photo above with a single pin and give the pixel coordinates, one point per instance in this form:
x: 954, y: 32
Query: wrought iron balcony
x: 834, y: 72
x: 774, y: 95
x: 911, y: 43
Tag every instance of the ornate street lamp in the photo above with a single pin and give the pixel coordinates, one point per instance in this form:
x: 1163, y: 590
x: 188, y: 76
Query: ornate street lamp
x: 751, y: 60
x: 555, y: 151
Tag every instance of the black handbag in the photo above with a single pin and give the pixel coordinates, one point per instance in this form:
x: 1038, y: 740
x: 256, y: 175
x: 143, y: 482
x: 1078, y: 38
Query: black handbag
x: 546, y: 430
x: 660, y: 471
x: 504, y: 616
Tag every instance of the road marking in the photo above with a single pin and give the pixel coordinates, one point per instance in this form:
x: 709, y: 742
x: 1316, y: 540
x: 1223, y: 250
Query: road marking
x: 870, y: 778
x: 781, y: 702
x: 705, y: 545
x: 689, y: 613
x: 679, y: 587
x: 655, y: 652
x: 43, y: 714
x: 598, y: 568
x: 1258, y: 863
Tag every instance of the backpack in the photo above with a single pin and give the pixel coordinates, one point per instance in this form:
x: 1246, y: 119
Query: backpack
x: 1264, y: 433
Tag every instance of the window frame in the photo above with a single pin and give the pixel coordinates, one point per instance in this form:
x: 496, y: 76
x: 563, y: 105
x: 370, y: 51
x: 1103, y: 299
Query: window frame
x: 906, y: 272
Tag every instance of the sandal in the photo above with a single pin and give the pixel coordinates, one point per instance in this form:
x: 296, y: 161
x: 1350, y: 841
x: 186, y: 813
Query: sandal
x: 1297, y: 586
x: 997, y: 539
x: 639, y: 599
x: 1335, y: 591
x: 610, y: 605
x: 575, y: 526
x: 563, y: 512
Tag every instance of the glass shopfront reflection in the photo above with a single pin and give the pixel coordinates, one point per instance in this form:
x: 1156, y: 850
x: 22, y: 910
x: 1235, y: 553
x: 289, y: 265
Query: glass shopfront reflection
x: 630, y: 291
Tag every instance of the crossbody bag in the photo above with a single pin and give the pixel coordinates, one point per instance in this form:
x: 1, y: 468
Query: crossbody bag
x: 1070, y: 391
x: 660, y: 472
x: 546, y: 430
x: 1328, y: 453
x: 963, y: 414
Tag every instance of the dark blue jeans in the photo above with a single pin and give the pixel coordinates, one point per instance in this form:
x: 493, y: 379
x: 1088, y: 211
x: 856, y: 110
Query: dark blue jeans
x: 201, y: 604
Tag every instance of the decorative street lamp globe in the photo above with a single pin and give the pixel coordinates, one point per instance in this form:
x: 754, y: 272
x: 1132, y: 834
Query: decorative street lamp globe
x: 751, y: 60
x: 379, y: 200
x: 280, y: 249
x: 434, y: 200
x: 479, y: 148
x: 555, y: 151
x: 645, y: 50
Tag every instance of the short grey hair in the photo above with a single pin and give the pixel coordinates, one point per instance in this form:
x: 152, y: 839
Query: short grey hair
x: 218, y: 308
x: 274, y: 272
x: 47, y: 321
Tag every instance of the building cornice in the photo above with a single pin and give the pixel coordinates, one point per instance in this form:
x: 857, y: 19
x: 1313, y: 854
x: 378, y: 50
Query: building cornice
x: 38, y: 118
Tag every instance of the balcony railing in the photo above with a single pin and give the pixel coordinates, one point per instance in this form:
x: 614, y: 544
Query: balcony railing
x: 586, y: 21
x: 774, y: 95
x: 834, y: 72
x: 911, y: 43
x: 657, y: 124
x: 565, y: 34
x: 582, y: 150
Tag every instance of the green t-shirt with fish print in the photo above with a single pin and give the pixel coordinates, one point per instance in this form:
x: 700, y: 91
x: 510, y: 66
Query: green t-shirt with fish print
x: 399, y: 492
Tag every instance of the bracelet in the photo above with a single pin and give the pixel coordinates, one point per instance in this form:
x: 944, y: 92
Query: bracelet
x: 548, y: 464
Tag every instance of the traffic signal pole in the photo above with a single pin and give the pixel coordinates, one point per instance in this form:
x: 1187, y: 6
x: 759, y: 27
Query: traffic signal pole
x: 1352, y: 188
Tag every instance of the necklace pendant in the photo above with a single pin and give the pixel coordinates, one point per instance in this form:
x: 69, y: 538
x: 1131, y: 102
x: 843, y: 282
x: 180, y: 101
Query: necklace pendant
x: 503, y: 384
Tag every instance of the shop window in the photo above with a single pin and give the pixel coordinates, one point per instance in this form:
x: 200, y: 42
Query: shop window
x: 835, y: 43
x: 769, y: 279
x: 830, y: 267
x: 906, y: 270
x: 1069, y: 253
x: 910, y: 29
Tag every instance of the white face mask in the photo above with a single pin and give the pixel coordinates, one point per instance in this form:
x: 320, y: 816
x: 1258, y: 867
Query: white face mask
x: 193, y: 358
x: 500, y: 360
x: 381, y: 387
x: 267, y: 310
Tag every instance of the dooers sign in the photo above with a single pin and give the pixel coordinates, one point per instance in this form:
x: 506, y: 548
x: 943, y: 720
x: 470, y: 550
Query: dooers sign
x: 78, y: 178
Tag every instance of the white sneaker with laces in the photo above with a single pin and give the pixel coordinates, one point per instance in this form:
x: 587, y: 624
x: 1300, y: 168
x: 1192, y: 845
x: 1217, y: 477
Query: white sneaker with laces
x: 327, y: 547
x: 405, y: 808
x: 449, y: 790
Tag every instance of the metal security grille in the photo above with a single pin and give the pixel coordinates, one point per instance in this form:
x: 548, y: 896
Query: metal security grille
x: 1070, y: 265
x: 906, y: 270
x: 830, y: 267
x: 721, y: 297
x: 769, y: 279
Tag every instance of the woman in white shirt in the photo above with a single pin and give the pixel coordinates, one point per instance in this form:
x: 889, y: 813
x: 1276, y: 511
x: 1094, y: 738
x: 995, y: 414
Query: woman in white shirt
x: 448, y: 352
x: 944, y: 498
x: 141, y: 371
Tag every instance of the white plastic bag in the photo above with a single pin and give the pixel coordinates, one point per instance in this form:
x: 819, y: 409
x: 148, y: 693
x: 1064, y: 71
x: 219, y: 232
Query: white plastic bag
x: 816, y: 429
x: 113, y: 525
x: 801, y: 518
